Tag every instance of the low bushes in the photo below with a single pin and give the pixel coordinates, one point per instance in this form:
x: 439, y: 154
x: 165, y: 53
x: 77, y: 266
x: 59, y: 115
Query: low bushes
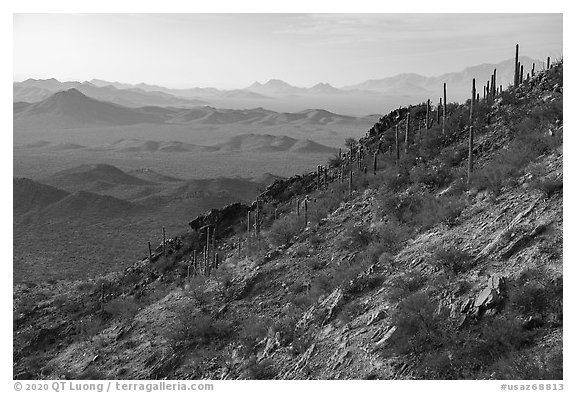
x: 284, y: 229
x: 452, y: 260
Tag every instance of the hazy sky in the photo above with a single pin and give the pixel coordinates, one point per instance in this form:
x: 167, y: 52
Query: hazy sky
x: 234, y: 50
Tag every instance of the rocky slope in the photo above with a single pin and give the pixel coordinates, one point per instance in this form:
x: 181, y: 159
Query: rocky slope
x: 413, y: 275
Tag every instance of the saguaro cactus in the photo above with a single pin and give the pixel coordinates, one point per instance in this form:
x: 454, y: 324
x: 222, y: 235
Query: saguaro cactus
x: 444, y: 112
x: 471, y: 134
x: 350, y: 184
x: 548, y: 63
x: 533, y: 69
x: 207, y: 244
x: 248, y: 229
x: 214, y: 240
x: 397, y: 146
x: 516, y: 68
x: 375, y: 161
x: 407, y: 131
x: 521, y: 74
x: 428, y: 113
x: 149, y: 252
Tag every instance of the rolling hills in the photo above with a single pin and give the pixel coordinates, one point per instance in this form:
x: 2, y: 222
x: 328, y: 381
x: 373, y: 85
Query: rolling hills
x: 91, y: 219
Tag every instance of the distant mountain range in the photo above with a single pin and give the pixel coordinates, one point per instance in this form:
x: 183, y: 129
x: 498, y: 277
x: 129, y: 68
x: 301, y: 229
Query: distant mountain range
x: 458, y: 83
x: 35, y: 90
x: 73, y: 109
x: 244, y: 143
x: 275, y: 91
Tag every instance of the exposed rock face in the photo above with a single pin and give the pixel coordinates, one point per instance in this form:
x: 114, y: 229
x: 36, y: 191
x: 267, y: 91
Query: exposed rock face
x: 491, y: 295
x: 222, y: 219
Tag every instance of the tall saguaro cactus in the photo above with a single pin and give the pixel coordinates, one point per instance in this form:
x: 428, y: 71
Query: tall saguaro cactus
x: 444, y: 112
x: 494, y: 84
x: 516, y: 69
x: 397, y: 147
x: 428, y: 114
x: 471, y: 134
x: 350, y: 184
x: 375, y: 161
x: 407, y: 131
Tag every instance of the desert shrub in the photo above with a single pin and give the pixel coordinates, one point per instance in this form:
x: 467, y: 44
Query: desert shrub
x: 431, y: 143
x: 400, y: 207
x: 122, y: 308
x: 391, y: 236
x: 286, y: 325
x: 315, y: 240
x: 373, y: 252
x: 406, y: 284
x: 322, y: 284
x: 552, y: 249
x: 530, y: 141
x: 193, y: 328
x: 351, y: 311
x: 418, y: 327
x: 252, y: 331
x: 335, y: 161
x: 453, y: 156
x: 263, y: 370
x: 452, y: 260
x: 284, y: 229
x: 394, y: 180
x: 528, y: 367
x: 354, y: 237
x: 85, y: 286
x: 315, y: 263
x: 435, y: 210
x: 548, y: 186
x: 529, y: 299
x: 510, y: 98
x: 421, y: 209
x: 363, y: 283
x: 324, y: 205
x: 499, y: 336
x: 164, y: 264
x: 431, y: 175
x: 537, y: 298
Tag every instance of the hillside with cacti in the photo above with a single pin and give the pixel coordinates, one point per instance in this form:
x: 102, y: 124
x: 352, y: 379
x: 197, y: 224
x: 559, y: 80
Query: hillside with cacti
x: 430, y: 248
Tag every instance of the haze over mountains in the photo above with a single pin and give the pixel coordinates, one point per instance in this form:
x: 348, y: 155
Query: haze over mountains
x: 244, y: 143
x: 371, y: 96
x: 73, y: 109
